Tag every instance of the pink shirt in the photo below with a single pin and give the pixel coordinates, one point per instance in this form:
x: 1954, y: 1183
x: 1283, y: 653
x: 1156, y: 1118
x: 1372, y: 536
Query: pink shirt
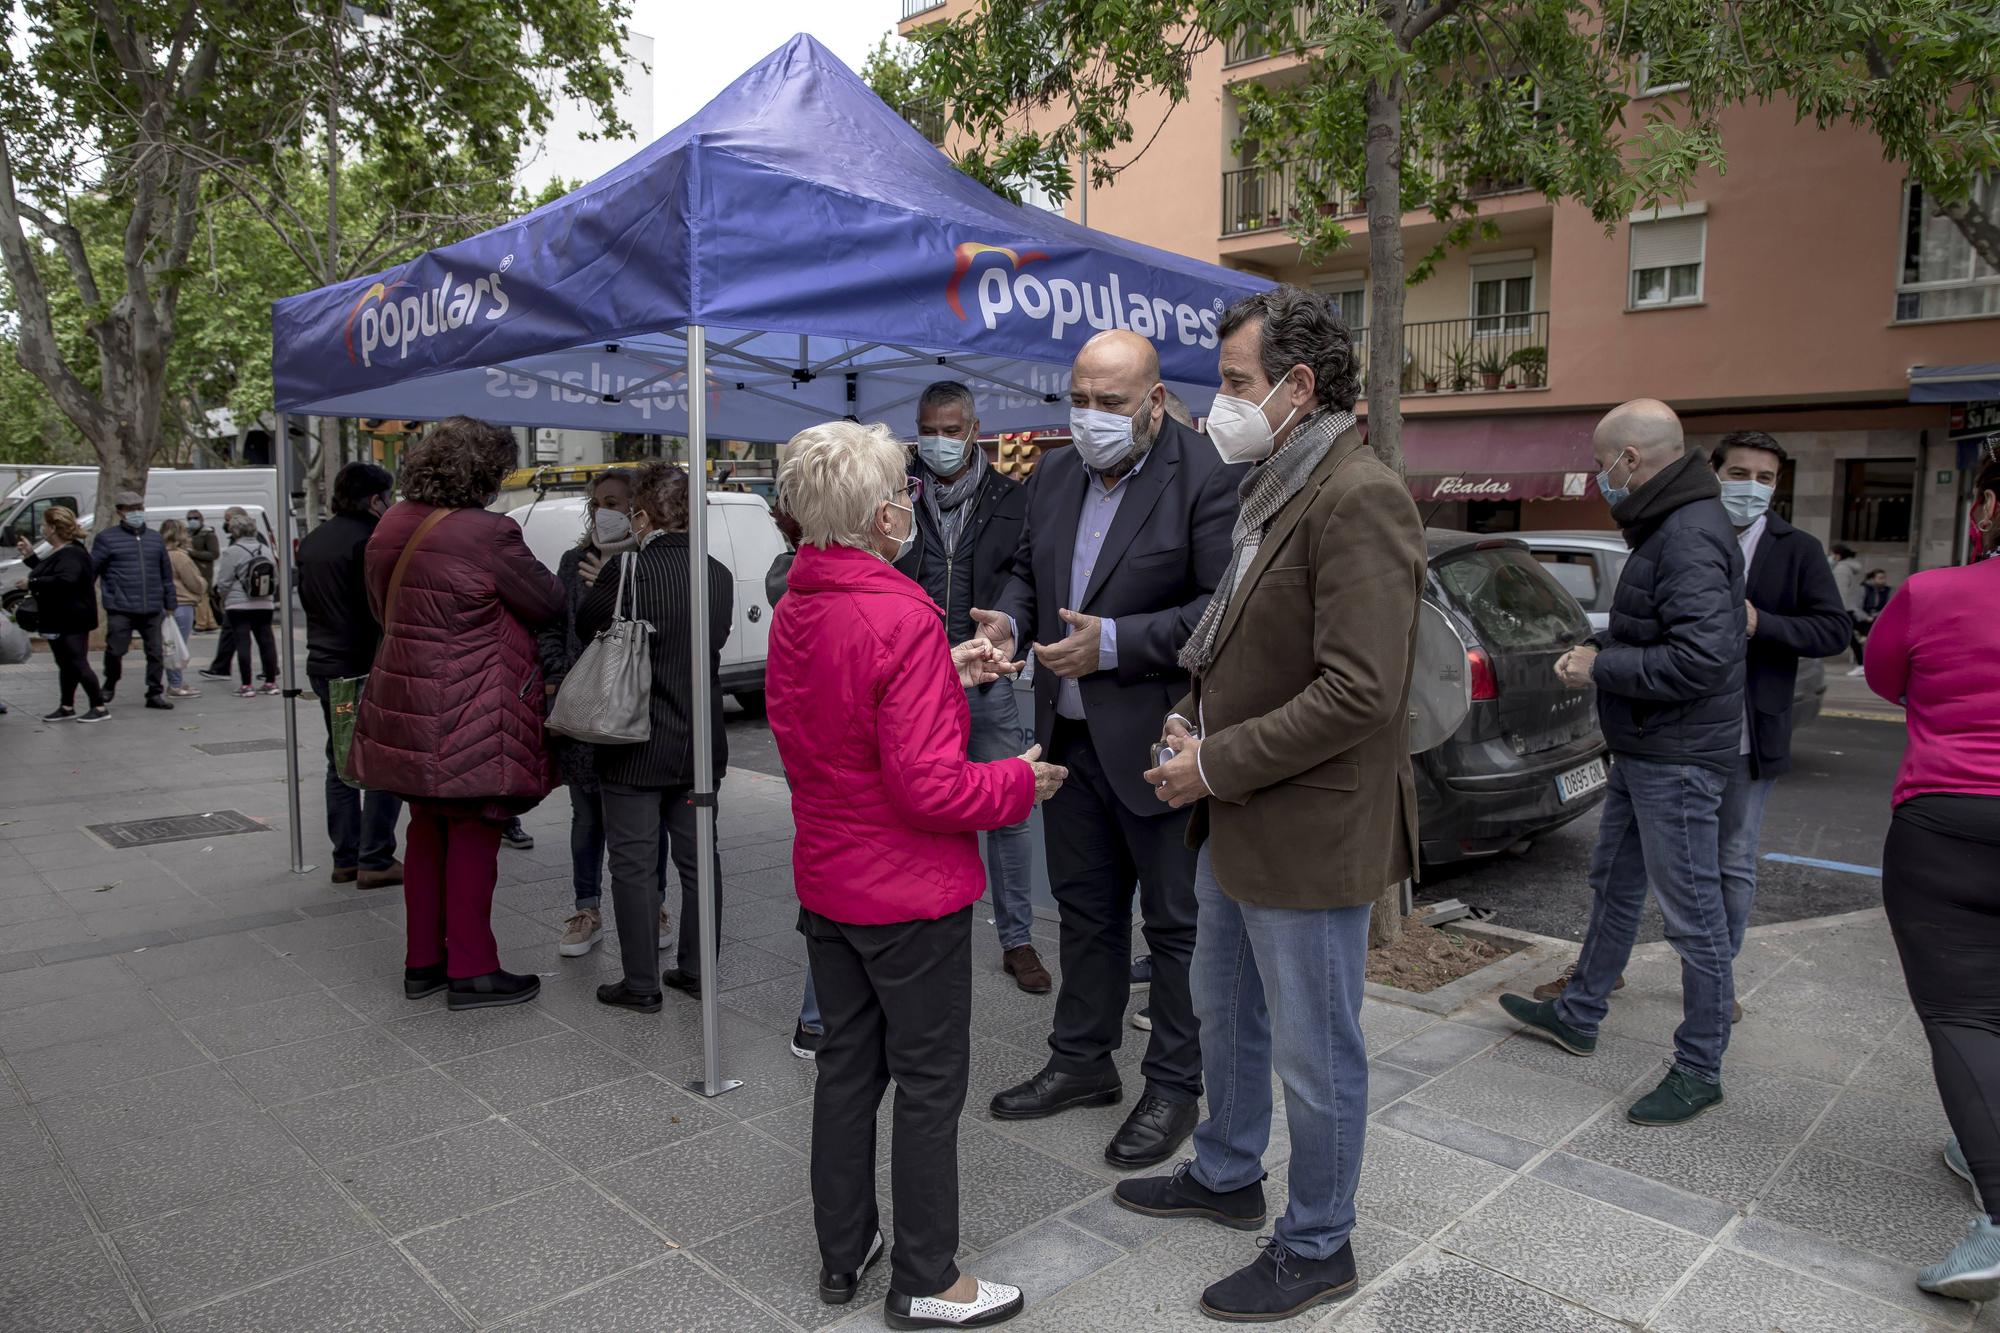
x: 1936, y: 650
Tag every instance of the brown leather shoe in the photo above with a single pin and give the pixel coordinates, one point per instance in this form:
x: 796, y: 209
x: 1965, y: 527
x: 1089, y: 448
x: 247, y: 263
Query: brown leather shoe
x: 383, y: 879
x: 344, y: 874
x: 1025, y: 966
x: 1550, y: 990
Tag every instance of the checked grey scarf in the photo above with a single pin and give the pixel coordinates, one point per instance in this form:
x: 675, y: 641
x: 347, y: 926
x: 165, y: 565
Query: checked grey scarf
x: 1268, y: 488
x: 948, y: 501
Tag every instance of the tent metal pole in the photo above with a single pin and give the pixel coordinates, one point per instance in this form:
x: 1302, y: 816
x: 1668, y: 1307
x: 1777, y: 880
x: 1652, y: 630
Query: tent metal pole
x: 711, y: 1083
x: 286, y: 578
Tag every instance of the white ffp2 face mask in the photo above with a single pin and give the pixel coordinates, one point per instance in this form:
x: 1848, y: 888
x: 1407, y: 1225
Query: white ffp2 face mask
x: 610, y: 527
x: 1237, y: 428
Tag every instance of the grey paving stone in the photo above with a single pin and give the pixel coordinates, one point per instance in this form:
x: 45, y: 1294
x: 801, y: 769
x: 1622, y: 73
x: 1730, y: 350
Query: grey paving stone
x: 435, y: 1179
x: 328, y: 932
x: 68, y: 1288
x: 193, y: 1256
x: 676, y: 1292
x: 1637, y: 1194
x: 772, y: 1076
x: 1886, y: 1280
x: 256, y: 1027
x: 745, y: 964
x: 539, y: 1070
x: 1045, y: 1259
x: 60, y: 981
x: 751, y: 919
x: 619, y: 1120
x: 1384, y: 1024
x: 445, y: 1035
x: 79, y: 1066
x: 1905, y: 1217
x: 89, y: 1122
x: 1440, y: 1047
x: 1539, y: 1108
x: 1901, y: 1064
x: 1505, y: 1150
x: 230, y: 925
x: 1417, y: 1186
x: 1617, y: 1065
x: 22, y: 1143
x: 776, y: 1260
x: 31, y: 907
x: 77, y: 1018
x: 714, y: 1182
x: 320, y: 1064
x: 37, y: 1210
x: 772, y: 1005
x: 1731, y: 1290
x: 120, y: 945
x: 55, y: 936
x: 1101, y: 1216
x: 1004, y: 1186
x: 381, y: 999
x: 143, y: 1179
x: 337, y: 1125
x: 1440, y: 1293
x: 1154, y: 1290
x: 1588, y: 1252
x: 370, y: 961
x: 369, y: 1291
x: 195, y: 957
x: 1907, y: 1132
x: 519, y: 1255
x: 1390, y: 1083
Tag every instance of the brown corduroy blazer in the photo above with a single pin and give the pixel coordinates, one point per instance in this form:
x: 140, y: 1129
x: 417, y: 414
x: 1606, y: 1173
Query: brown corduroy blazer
x: 1305, y: 707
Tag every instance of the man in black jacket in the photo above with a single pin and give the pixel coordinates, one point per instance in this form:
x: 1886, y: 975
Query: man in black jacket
x: 341, y: 638
x: 969, y: 521
x: 1669, y: 679
x: 1127, y: 532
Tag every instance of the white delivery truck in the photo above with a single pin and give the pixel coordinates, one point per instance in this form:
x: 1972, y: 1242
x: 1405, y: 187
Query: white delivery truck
x: 170, y: 493
x: 741, y: 534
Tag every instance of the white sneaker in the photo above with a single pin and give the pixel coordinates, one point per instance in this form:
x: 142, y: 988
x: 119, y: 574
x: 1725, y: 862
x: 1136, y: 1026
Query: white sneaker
x: 1858, y: 671
x: 996, y: 1303
x: 580, y: 932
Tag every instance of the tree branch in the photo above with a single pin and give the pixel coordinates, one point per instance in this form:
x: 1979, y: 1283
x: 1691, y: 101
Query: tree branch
x: 70, y: 241
x: 36, y: 346
x: 1421, y: 21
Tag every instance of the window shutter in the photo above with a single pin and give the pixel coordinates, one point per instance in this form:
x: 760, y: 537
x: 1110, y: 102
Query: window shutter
x: 1667, y: 242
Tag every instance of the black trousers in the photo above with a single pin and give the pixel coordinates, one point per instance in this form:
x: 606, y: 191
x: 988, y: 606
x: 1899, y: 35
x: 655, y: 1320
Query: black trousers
x: 635, y: 819
x: 72, y: 654
x: 247, y: 627
x: 118, y: 630
x: 225, y: 641
x: 897, y: 1004
x: 1097, y: 849
x: 1941, y: 892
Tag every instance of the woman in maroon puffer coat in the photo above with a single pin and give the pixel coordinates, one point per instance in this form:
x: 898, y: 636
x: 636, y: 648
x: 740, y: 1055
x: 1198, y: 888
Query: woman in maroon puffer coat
x: 451, y: 720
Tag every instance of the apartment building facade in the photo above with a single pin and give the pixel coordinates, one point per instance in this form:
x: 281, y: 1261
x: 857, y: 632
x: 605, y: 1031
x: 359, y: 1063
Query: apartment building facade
x: 1807, y: 290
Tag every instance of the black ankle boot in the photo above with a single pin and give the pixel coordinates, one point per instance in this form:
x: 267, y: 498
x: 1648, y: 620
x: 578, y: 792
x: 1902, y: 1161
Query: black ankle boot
x: 492, y: 990
x: 419, y: 982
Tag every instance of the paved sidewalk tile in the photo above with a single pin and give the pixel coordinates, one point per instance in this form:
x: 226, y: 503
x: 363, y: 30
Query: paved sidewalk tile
x: 369, y: 1291
x: 1438, y: 1293
x: 1734, y: 1291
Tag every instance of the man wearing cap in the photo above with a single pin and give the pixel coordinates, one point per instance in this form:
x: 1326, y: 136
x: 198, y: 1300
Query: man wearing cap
x: 135, y: 581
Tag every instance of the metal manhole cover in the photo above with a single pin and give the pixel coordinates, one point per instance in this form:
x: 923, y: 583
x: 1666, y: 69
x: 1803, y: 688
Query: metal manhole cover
x: 174, y: 828
x: 241, y: 747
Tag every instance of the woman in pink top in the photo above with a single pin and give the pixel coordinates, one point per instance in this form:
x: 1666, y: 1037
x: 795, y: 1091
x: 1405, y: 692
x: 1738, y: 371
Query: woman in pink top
x: 871, y: 723
x: 1936, y: 650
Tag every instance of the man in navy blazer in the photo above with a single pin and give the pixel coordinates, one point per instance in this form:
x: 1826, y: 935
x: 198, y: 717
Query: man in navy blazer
x: 1127, y: 533
x: 1795, y: 610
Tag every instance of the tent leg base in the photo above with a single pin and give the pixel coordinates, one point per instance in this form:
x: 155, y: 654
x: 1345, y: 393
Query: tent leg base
x: 700, y: 1086
x: 304, y: 870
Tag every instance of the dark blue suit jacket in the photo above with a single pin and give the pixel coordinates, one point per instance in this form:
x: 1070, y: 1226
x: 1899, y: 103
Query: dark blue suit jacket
x: 1799, y: 614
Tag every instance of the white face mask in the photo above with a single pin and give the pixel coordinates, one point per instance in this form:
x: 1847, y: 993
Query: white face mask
x: 1237, y: 428
x: 1103, y: 439
x: 909, y: 536
x: 942, y: 454
x: 610, y: 527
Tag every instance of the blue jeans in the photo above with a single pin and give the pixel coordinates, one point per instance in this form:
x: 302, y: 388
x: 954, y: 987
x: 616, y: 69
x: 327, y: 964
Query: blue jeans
x: 809, y: 1007
x: 361, y: 824
x: 183, y: 617
x: 997, y: 734
x: 1303, y: 969
x: 586, y: 848
x: 1660, y: 826
x: 1741, y: 821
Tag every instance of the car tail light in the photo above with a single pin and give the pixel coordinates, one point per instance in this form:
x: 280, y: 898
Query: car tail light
x: 1480, y: 668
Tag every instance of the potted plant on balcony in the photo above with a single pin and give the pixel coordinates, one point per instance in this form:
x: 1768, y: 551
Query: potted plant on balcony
x: 1534, y: 365
x: 1491, y: 366
x: 1460, y: 361
x: 1430, y: 381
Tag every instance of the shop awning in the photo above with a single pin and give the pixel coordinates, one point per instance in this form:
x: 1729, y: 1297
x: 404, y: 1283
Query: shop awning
x: 1510, y: 456
x: 1955, y: 384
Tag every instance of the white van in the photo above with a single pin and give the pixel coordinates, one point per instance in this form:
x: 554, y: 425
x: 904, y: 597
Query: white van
x: 741, y: 534
x: 170, y: 493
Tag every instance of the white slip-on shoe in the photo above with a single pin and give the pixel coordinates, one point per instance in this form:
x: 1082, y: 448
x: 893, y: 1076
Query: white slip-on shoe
x: 996, y: 1303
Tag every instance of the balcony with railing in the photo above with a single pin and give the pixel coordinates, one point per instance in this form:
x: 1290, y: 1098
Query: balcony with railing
x: 1495, y: 353
x: 927, y: 118
x: 1267, y: 198
x: 912, y: 8
x: 1243, y: 49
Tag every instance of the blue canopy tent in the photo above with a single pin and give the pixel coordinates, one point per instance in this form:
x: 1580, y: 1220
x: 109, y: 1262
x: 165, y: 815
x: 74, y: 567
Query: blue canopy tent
x: 798, y: 251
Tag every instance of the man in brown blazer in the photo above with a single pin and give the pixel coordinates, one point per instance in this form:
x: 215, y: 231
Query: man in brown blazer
x: 1295, y: 743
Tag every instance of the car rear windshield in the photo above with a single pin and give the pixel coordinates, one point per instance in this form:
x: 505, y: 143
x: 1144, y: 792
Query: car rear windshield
x: 1511, y: 600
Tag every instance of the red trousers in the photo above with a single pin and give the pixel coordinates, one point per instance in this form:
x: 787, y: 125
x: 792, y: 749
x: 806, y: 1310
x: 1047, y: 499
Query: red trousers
x: 450, y: 865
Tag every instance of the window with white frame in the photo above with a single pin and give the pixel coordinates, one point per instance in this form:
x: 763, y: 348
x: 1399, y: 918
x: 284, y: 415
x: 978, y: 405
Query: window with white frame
x: 1942, y: 276
x: 1503, y: 295
x: 1648, y: 74
x: 1349, y: 294
x: 1666, y: 258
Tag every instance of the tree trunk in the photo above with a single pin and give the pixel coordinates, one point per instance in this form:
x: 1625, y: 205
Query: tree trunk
x: 1383, y: 186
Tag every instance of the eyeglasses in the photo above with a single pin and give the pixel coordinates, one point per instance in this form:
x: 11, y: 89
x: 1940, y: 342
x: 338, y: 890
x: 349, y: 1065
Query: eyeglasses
x: 915, y: 487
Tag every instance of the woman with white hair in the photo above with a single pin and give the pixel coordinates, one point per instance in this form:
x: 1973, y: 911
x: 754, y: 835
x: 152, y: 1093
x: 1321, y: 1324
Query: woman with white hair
x: 247, y: 579
x: 867, y: 704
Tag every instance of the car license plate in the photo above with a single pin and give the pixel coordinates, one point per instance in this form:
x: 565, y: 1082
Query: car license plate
x: 1579, y: 781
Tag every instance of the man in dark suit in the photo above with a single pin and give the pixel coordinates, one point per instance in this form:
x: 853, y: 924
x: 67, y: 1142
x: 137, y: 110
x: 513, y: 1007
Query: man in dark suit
x: 969, y: 520
x: 1795, y: 610
x: 1127, y: 533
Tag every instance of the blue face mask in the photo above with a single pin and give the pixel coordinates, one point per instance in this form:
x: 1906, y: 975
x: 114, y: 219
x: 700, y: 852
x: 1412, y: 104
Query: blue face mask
x: 1746, y: 501
x: 1613, y: 495
x: 942, y: 454
x: 135, y: 521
